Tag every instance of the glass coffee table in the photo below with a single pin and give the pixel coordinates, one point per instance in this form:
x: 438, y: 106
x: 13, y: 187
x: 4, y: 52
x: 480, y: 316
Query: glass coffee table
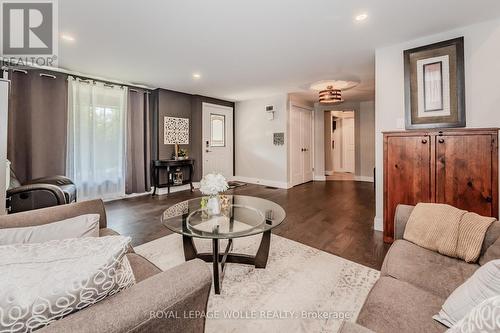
x: 241, y: 216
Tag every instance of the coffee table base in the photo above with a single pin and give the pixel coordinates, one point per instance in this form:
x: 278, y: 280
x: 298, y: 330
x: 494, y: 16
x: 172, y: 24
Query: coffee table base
x: 219, y: 260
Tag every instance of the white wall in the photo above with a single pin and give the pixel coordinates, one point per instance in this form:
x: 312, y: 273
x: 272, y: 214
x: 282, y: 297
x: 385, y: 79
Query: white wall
x: 258, y: 160
x: 365, y: 161
x: 482, y: 70
x: 328, y: 130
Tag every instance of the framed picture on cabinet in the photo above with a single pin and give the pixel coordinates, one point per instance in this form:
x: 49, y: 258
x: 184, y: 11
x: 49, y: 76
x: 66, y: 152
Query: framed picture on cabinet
x: 435, y: 85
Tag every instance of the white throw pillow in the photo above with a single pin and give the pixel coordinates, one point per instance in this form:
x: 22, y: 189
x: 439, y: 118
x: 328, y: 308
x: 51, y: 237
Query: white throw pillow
x: 43, y: 282
x: 75, y: 227
x: 483, y: 284
x: 484, y: 318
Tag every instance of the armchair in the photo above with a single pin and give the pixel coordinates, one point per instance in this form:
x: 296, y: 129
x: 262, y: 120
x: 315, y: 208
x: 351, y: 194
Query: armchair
x: 39, y: 193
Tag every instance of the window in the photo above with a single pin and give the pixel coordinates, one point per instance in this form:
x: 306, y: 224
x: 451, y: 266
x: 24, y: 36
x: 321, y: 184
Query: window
x: 96, y: 139
x: 217, y: 130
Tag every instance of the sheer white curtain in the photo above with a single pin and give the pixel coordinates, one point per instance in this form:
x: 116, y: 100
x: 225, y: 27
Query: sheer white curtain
x: 96, y: 138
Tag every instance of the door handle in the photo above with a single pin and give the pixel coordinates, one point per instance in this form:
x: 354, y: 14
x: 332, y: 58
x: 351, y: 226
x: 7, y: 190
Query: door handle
x: 208, y: 151
x: 441, y: 140
x: 424, y: 141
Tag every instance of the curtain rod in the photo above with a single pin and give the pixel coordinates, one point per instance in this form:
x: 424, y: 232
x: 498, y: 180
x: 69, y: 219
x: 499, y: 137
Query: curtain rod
x: 72, y: 73
x: 48, y: 75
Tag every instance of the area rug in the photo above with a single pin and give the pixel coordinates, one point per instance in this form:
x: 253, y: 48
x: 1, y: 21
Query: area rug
x: 301, y: 289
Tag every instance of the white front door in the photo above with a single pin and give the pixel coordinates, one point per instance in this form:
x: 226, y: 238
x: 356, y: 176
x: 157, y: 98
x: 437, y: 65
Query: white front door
x: 217, y: 136
x: 301, y: 145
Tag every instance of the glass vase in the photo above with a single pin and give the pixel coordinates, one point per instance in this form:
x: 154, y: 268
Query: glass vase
x: 213, y: 205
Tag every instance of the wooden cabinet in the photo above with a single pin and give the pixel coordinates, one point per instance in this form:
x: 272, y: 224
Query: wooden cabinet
x: 453, y: 166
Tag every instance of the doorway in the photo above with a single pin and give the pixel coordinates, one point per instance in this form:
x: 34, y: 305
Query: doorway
x: 301, y: 145
x: 340, y: 154
x: 217, y: 139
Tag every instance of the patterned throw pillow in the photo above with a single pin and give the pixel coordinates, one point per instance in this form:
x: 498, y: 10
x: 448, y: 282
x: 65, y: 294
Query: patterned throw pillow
x: 484, y: 318
x: 43, y: 282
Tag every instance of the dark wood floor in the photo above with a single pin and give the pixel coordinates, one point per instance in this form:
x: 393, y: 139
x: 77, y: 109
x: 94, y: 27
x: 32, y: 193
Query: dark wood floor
x: 333, y: 216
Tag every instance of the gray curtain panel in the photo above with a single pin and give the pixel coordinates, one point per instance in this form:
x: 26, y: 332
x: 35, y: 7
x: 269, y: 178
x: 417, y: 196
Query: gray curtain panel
x: 138, y: 152
x: 37, y: 124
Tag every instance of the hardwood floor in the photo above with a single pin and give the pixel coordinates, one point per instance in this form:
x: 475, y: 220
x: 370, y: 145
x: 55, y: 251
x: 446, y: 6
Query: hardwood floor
x: 333, y: 216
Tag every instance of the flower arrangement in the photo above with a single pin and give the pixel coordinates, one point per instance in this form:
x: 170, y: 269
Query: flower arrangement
x: 212, y: 184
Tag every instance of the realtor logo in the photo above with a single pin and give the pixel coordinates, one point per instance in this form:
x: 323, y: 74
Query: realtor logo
x: 29, y: 28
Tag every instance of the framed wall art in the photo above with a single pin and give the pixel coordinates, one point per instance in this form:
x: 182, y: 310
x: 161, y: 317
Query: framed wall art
x: 435, y: 85
x: 175, y: 130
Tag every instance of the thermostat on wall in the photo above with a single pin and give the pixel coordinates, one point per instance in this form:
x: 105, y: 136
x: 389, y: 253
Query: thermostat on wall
x: 270, y: 112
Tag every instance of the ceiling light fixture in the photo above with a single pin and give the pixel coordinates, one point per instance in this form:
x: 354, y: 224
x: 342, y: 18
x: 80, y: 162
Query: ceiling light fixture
x: 68, y: 38
x: 361, y: 17
x: 196, y: 76
x: 330, y: 91
x: 330, y: 96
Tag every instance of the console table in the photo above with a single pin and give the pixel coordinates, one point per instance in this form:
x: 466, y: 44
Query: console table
x: 170, y: 166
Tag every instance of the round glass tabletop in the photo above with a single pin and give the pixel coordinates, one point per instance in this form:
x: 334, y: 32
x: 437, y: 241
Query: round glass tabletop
x: 240, y: 216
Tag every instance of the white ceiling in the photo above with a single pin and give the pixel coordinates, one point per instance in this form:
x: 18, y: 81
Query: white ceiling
x: 252, y: 48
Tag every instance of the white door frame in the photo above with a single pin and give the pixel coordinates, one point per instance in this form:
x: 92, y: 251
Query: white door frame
x: 203, y: 149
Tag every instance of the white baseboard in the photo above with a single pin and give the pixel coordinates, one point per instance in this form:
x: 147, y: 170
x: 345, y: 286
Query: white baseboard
x: 364, y: 179
x: 271, y: 183
x: 378, y: 224
x: 329, y: 173
x: 319, y: 178
x: 174, y: 189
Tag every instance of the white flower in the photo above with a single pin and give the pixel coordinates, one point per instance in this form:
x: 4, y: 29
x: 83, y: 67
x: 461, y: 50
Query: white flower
x: 213, y: 184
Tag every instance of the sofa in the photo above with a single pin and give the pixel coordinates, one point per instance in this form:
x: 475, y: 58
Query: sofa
x: 415, y: 282
x: 157, y: 302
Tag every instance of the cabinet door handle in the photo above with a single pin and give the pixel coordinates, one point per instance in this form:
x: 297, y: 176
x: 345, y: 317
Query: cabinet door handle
x: 441, y: 140
x: 424, y: 141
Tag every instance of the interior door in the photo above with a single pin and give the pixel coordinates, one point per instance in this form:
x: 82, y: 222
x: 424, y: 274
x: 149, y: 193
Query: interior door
x: 301, y: 145
x: 297, y: 174
x: 464, y: 172
x: 306, y: 134
x: 337, y: 146
x: 217, y: 136
x: 349, y: 144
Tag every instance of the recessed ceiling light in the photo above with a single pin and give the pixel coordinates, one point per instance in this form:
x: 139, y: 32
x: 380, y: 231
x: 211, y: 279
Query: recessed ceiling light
x: 361, y: 17
x: 68, y: 38
x: 196, y: 76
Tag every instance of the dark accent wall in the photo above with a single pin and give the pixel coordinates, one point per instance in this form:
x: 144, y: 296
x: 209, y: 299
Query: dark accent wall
x: 177, y: 104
